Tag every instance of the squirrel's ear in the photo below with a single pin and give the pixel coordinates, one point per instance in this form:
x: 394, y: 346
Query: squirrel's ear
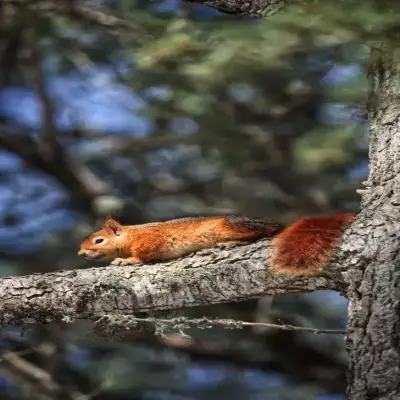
x: 112, y: 226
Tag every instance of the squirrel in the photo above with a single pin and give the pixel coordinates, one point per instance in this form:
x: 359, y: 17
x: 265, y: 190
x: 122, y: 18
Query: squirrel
x: 301, y: 248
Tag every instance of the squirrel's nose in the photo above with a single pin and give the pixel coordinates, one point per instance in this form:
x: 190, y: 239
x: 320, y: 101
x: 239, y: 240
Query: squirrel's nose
x: 81, y: 253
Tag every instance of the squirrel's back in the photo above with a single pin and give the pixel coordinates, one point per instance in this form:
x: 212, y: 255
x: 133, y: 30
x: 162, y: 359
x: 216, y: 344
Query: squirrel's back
x: 172, y: 239
x: 178, y: 237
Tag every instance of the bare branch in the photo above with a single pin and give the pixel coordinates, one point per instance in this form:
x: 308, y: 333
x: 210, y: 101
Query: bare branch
x: 182, y: 323
x: 253, y: 8
x: 42, y: 380
x: 208, y: 277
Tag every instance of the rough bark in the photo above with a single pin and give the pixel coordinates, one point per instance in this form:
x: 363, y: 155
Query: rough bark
x: 208, y: 277
x: 372, y: 245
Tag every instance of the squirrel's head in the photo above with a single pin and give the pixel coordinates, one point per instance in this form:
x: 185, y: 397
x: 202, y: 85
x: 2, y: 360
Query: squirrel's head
x: 105, y: 244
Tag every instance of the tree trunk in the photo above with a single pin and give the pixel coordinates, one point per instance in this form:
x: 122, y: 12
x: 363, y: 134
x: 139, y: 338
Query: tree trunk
x: 372, y: 247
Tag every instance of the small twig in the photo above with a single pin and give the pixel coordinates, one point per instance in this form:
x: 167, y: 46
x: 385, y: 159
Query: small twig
x: 29, y: 370
x: 182, y: 323
x: 18, y: 353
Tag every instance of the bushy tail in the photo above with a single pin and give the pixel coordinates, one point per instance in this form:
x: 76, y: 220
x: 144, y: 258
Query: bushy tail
x: 306, y: 246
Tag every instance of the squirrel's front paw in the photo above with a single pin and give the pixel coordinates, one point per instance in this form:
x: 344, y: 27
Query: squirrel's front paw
x: 122, y: 262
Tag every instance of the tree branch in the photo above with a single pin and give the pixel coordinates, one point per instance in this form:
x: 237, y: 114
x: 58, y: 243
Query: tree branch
x: 208, y: 277
x: 252, y: 8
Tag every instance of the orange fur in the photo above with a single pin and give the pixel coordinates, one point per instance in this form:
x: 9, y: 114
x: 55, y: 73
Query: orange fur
x: 303, y: 247
x: 306, y: 245
x: 171, y: 239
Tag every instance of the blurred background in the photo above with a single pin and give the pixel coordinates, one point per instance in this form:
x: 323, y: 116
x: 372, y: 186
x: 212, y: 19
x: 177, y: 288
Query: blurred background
x: 154, y: 110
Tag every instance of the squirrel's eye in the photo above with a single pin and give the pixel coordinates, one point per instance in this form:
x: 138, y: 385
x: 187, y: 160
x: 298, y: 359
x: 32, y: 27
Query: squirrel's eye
x: 99, y: 240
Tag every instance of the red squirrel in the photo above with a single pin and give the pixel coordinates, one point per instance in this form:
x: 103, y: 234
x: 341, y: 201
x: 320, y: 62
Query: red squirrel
x: 301, y: 248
